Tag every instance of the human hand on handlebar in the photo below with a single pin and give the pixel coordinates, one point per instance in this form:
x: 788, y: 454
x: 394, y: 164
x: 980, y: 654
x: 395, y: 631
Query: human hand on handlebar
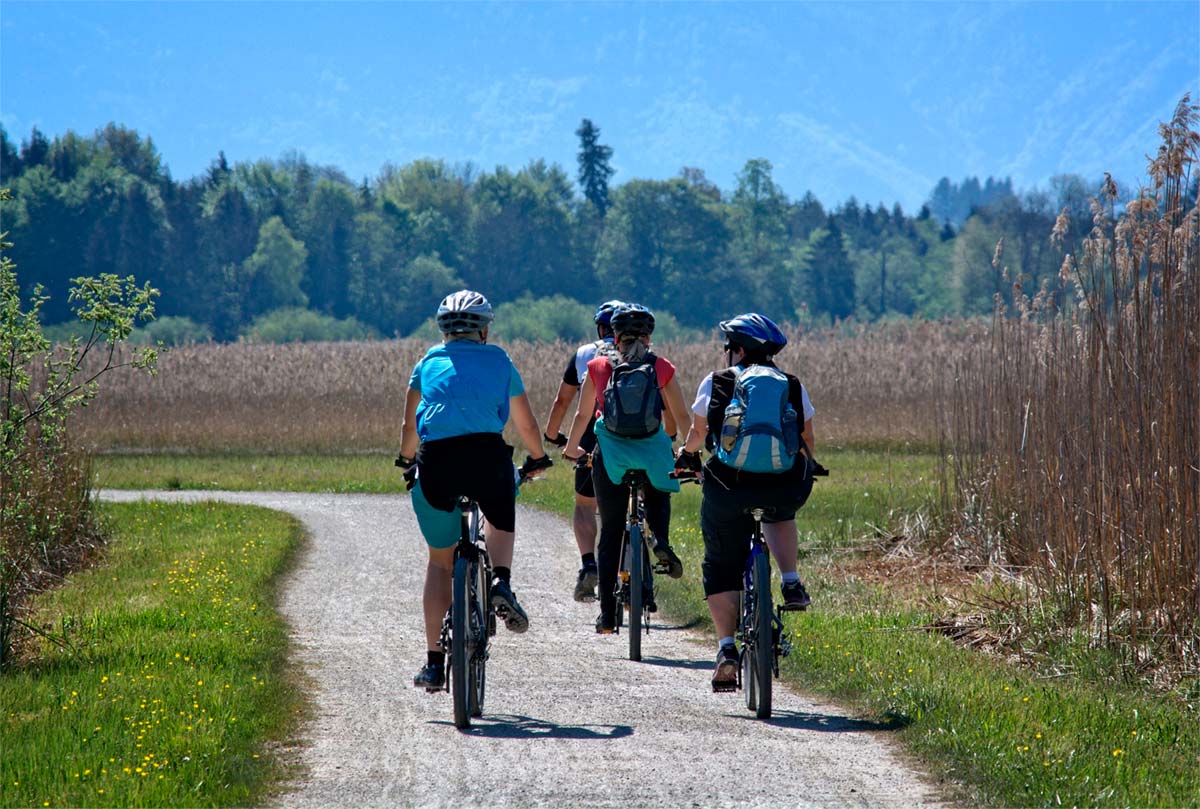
x: 687, y: 465
x: 534, y: 465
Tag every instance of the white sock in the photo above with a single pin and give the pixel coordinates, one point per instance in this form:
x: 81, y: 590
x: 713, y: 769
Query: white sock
x: 790, y: 578
x: 728, y: 641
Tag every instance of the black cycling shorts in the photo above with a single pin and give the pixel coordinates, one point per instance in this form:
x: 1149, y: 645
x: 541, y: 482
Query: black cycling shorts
x: 726, y: 526
x: 583, y: 474
x: 478, y: 466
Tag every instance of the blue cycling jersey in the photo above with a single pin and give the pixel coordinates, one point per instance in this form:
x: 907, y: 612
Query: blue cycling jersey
x: 465, y: 388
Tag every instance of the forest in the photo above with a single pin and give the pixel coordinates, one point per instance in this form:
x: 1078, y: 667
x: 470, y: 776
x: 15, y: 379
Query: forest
x: 282, y: 249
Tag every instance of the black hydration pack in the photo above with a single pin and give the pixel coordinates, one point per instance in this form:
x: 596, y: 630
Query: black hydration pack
x: 632, y: 401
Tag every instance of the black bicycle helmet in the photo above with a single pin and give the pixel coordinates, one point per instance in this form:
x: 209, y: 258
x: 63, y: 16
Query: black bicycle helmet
x: 604, y: 313
x: 754, y: 332
x: 464, y: 311
x: 632, y: 318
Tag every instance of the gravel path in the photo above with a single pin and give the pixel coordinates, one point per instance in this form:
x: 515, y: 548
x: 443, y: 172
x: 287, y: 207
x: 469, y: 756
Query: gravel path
x: 569, y: 721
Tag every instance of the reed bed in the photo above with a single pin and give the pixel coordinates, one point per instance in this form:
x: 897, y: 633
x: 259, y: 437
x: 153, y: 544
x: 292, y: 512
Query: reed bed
x: 1077, y: 426
x: 872, y: 385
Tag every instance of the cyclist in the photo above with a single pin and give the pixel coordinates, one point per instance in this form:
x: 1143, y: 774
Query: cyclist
x: 614, y: 454
x: 460, y: 395
x: 584, y: 517
x: 750, y: 340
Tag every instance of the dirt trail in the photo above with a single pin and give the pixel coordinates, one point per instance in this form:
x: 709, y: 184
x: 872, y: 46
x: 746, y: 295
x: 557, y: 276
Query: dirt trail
x: 569, y: 721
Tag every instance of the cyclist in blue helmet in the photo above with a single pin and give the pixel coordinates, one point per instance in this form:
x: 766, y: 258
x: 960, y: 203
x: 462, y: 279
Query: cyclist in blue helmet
x: 460, y: 396
x: 751, y: 342
x: 584, y: 518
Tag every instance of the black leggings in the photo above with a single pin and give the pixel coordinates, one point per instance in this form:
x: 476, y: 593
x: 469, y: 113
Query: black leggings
x: 611, y: 502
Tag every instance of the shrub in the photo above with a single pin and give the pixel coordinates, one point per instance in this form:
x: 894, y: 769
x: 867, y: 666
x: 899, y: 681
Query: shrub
x: 297, y: 325
x: 171, y: 331
x: 46, y: 515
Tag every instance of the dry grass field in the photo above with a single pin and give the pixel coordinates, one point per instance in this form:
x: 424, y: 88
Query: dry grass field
x: 874, y: 386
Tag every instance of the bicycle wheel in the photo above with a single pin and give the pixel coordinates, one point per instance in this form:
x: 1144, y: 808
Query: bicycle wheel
x: 460, y: 663
x: 480, y: 598
x: 749, y: 639
x: 763, y: 647
x: 637, y: 598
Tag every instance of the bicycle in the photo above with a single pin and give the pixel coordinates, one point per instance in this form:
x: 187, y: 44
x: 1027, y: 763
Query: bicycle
x: 760, y: 626
x: 635, y: 577
x: 470, y: 621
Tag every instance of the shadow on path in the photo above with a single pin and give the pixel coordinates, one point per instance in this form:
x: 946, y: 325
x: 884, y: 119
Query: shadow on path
x: 511, y: 726
x: 822, y: 723
x: 694, y: 665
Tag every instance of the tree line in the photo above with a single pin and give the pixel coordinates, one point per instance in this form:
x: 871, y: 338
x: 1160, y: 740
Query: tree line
x: 247, y: 244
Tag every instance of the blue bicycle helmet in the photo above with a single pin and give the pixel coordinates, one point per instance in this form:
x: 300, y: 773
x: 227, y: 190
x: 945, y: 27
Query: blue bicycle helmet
x: 754, y: 332
x: 604, y: 313
x: 632, y: 318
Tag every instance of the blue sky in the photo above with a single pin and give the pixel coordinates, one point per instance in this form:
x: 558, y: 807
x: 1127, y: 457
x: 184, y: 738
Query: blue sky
x: 875, y: 100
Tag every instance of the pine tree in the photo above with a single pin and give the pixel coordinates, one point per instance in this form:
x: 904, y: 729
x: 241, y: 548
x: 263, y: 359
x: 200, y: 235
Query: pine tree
x: 594, y: 169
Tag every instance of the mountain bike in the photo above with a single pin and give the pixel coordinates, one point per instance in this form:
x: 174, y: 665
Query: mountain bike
x: 635, y: 577
x: 470, y: 621
x: 760, y: 627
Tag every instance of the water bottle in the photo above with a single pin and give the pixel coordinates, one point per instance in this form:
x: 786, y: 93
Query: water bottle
x: 732, y: 424
x: 791, y: 430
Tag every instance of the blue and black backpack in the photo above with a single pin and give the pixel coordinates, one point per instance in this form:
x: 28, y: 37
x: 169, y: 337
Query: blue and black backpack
x: 760, y: 430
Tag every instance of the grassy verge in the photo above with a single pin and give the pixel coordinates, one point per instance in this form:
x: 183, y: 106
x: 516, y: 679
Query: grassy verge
x: 1013, y: 737
x: 166, y: 685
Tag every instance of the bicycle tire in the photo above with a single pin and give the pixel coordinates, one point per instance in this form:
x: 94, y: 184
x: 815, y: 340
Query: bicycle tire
x: 764, y: 651
x: 480, y: 599
x: 637, y: 598
x: 749, y: 636
x: 460, y: 665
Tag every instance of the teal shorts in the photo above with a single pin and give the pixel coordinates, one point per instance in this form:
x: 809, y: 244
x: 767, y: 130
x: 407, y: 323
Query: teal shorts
x: 441, y: 529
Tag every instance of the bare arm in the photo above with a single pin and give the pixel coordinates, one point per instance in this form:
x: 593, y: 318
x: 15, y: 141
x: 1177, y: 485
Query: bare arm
x: 583, y: 415
x: 523, y: 419
x: 409, y: 442
x: 696, y: 434
x: 673, y: 397
x: 566, y: 394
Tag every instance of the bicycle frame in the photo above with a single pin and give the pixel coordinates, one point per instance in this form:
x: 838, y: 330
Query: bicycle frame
x: 635, y: 574
x: 470, y: 620
x: 760, y: 626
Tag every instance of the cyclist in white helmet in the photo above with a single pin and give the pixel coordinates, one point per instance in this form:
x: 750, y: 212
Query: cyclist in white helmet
x: 460, y: 396
x: 584, y: 517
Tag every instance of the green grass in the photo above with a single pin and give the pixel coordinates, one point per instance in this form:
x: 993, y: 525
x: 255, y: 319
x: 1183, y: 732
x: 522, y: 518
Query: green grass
x: 1011, y: 737
x: 167, y: 685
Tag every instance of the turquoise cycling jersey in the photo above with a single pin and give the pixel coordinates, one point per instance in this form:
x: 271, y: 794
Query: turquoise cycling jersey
x: 465, y: 388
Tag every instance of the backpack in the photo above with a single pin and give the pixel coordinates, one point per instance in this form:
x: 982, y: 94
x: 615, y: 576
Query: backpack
x: 632, y: 402
x: 760, y: 430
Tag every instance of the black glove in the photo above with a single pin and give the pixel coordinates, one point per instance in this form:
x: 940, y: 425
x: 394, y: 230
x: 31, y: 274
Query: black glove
x: 559, y: 440
x: 533, y: 465
x: 687, y: 465
x: 410, y: 477
x: 405, y: 463
x: 818, y: 471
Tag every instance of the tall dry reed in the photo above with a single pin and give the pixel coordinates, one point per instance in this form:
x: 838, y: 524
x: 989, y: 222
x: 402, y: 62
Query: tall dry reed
x: 873, y: 385
x: 1078, y: 424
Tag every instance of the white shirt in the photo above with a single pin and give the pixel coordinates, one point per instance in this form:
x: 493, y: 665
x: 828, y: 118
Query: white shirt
x: 704, y: 395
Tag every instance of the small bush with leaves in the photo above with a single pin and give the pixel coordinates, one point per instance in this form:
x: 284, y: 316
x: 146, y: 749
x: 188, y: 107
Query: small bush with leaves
x: 46, y: 518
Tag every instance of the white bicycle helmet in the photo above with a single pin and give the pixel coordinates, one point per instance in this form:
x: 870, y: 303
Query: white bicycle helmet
x: 464, y: 311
